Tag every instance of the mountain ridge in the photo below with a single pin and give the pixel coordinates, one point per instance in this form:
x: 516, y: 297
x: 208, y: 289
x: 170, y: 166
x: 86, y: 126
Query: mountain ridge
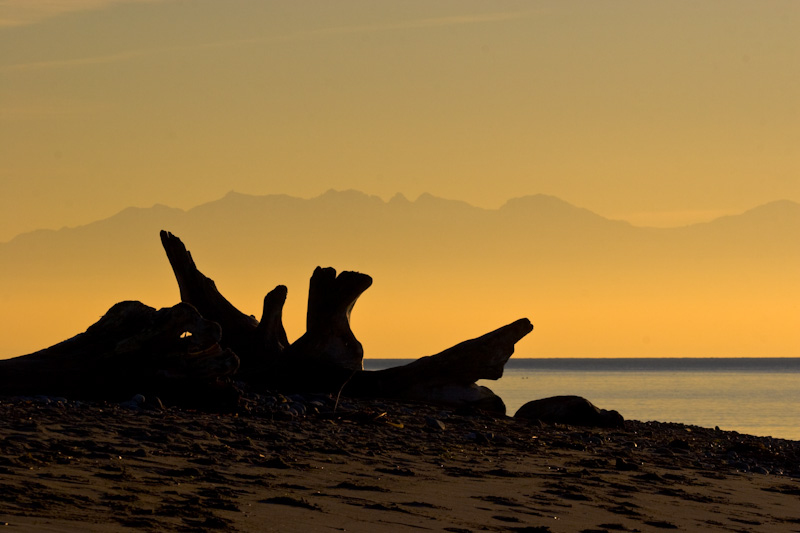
x: 542, y: 202
x: 443, y: 271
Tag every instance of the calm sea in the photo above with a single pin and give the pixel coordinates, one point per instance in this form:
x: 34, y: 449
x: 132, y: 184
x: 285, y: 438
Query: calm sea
x: 758, y: 396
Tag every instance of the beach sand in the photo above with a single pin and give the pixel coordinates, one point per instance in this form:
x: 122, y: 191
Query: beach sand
x: 310, y: 463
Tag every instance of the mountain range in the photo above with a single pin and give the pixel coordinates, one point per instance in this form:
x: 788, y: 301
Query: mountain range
x: 443, y: 271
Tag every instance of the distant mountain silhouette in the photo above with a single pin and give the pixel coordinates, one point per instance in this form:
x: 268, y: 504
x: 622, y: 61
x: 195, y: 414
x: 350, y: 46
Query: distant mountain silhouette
x: 546, y: 206
x: 443, y: 269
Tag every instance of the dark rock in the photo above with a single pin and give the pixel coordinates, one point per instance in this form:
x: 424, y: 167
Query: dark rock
x: 435, y: 423
x: 679, y: 444
x: 571, y: 410
x: 625, y: 466
x: 480, y: 438
x: 136, y: 402
x: 154, y: 403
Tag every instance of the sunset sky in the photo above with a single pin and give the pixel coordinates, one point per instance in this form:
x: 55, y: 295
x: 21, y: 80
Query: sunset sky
x: 661, y: 113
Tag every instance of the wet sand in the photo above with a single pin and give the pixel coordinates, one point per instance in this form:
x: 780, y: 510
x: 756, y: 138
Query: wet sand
x: 309, y: 463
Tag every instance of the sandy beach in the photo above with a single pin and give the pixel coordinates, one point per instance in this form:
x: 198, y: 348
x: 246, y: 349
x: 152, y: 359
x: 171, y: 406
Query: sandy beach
x: 310, y: 463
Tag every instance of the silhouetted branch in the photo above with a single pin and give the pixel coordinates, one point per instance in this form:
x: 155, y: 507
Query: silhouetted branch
x: 206, y: 338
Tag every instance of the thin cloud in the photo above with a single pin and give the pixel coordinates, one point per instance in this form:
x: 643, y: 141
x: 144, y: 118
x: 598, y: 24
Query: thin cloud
x: 119, y: 57
x: 76, y: 62
x: 26, y: 12
x: 437, y: 22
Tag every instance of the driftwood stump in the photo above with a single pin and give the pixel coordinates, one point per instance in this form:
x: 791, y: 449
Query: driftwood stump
x: 205, y: 340
x: 329, y: 358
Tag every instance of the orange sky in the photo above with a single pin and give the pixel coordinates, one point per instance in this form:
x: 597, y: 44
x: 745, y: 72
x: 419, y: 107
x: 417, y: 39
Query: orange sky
x: 661, y: 113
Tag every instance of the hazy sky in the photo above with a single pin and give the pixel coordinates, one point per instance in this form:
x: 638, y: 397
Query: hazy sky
x: 662, y: 113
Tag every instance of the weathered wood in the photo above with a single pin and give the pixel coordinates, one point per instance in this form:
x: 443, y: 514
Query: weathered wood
x: 328, y: 339
x: 268, y: 359
x: 448, y: 377
x: 135, y: 348
x: 132, y: 349
x: 252, y: 342
x: 270, y: 333
x: 328, y: 357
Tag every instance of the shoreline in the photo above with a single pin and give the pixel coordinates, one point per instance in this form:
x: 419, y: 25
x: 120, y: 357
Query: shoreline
x: 307, y: 463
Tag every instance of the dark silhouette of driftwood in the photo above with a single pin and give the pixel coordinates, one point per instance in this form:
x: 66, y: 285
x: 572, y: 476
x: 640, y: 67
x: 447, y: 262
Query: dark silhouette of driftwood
x: 253, y: 342
x: 328, y: 357
x: 173, y: 352
x: 328, y: 339
x: 265, y: 353
x: 448, y: 377
x: 197, y: 344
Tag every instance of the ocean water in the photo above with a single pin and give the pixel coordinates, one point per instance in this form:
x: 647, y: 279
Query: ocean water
x: 758, y: 396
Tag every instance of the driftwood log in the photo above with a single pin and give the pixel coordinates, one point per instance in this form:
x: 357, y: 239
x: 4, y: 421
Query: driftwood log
x: 205, y: 342
x: 328, y: 357
x: 132, y: 349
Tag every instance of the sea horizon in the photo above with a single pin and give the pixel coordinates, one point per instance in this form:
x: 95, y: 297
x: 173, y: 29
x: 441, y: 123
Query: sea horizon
x: 752, y: 395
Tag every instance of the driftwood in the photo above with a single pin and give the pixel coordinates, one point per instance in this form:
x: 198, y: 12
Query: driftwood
x: 132, y: 349
x: 328, y: 357
x: 448, y: 377
x: 195, y: 346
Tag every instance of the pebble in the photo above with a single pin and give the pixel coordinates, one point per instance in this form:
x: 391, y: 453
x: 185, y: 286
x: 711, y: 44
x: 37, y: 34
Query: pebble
x: 137, y: 401
x: 480, y: 438
x: 298, y: 408
x: 679, y: 444
x: 435, y: 423
x: 741, y: 466
x: 596, y: 441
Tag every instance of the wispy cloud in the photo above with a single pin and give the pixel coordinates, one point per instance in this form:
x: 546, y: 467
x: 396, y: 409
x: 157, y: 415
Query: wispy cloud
x: 75, y: 62
x: 118, y: 57
x: 25, y: 12
x: 437, y: 22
